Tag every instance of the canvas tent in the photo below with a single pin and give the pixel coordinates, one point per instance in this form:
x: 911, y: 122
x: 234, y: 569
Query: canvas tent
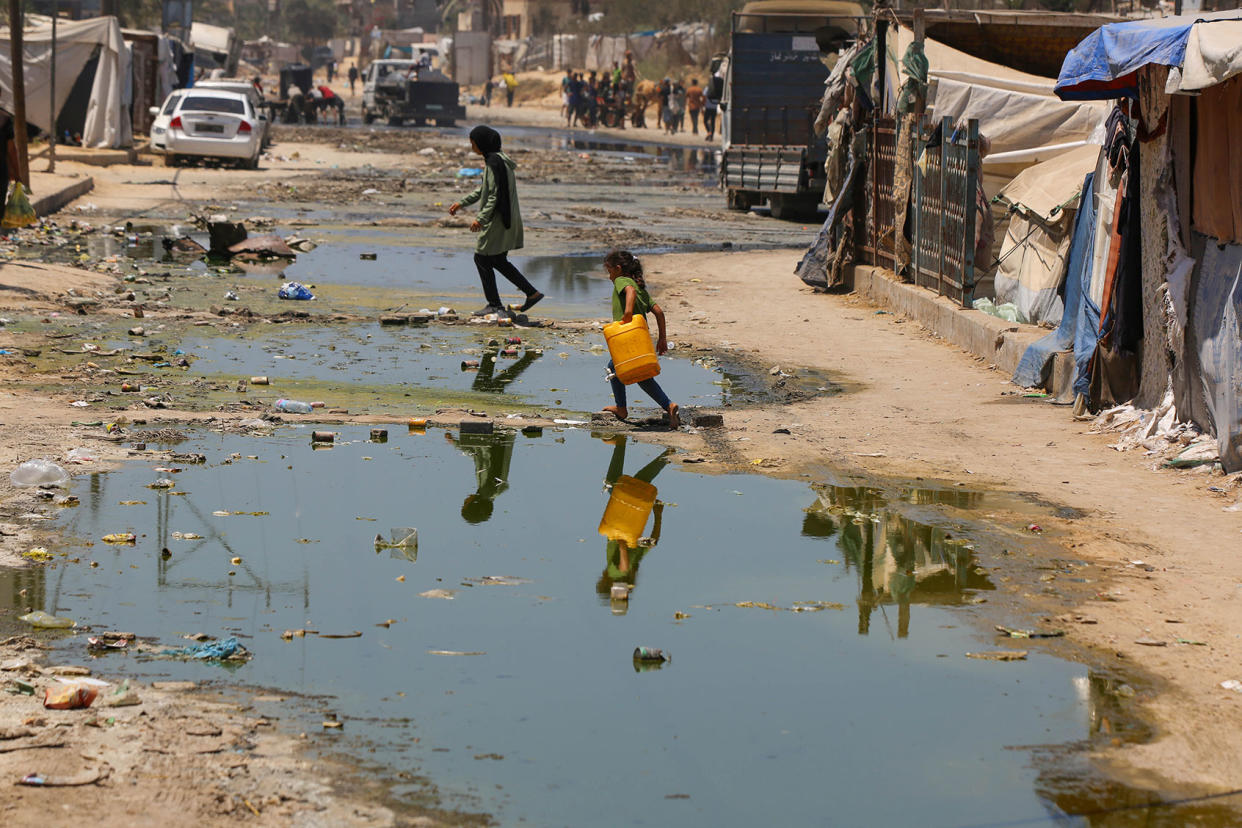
x: 1042, y: 201
x: 1020, y: 114
x: 78, y: 44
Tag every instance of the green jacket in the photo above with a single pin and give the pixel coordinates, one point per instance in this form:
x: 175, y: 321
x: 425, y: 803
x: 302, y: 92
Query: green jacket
x: 495, y: 238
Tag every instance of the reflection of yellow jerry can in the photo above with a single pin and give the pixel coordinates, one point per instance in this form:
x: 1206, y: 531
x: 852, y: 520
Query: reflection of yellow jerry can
x: 633, y: 354
x: 627, y: 511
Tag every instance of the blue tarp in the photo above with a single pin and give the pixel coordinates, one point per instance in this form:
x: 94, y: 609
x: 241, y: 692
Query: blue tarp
x: 1032, y: 370
x: 1102, y: 66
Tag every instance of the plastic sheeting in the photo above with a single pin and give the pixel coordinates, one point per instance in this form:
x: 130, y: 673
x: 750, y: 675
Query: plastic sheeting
x: 1214, y: 342
x: 107, y: 118
x: 1104, y: 64
x: 1017, y: 111
x: 1032, y: 262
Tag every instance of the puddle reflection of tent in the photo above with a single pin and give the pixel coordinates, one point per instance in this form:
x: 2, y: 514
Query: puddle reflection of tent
x: 899, y: 560
x: 165, y: 505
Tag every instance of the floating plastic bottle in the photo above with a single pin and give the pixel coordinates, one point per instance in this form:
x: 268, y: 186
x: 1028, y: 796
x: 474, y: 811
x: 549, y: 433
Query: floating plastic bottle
x: 292, y: 406
x: 43, y: 621
x: 39, y: 473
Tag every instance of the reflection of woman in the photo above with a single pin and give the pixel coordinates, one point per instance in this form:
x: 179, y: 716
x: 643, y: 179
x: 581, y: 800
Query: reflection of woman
x: 492, y: 454
x: 622, y: 555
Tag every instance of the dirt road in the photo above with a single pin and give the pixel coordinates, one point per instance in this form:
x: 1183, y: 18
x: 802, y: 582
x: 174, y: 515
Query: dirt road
x: 1146, y: 550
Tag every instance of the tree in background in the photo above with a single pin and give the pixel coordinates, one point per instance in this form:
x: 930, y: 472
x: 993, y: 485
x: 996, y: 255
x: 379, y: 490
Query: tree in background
x: 636, y: 15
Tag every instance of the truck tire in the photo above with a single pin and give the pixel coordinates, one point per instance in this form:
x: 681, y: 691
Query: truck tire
x: 741, y: 200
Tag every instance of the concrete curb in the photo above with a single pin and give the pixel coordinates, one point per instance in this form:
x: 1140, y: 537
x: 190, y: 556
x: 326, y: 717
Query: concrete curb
x: 999, y: 342
x: 54, y: 201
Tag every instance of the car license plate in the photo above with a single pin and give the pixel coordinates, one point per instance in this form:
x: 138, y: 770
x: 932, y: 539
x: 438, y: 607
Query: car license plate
x: 210, y: 128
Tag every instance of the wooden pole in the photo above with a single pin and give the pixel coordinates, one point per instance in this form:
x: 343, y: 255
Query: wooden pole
x: 51, y: 106
x: 19, y: 91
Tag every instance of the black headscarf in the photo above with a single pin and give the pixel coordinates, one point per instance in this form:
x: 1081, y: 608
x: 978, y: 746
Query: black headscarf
x: 488, y: 141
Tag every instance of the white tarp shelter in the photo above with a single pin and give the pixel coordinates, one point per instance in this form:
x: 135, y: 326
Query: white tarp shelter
x: 1043, y: 200
x: 107, y: 116
x: 1019, y: 113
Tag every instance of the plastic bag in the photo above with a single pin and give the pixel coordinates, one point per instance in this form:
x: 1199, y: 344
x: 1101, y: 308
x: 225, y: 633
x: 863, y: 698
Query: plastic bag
x: 294, y: 290
x: 72, y: 695
x: 18, y: 212
x: 43, y: 621
x: 39, y: 473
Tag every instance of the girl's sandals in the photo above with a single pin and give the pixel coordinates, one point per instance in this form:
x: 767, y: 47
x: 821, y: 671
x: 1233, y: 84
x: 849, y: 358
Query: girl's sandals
x: 619, y: 413
x: 674, y: 421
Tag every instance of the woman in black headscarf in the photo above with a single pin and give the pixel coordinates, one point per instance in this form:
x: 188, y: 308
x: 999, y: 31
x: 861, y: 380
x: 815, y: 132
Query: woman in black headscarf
x: 499, y: 222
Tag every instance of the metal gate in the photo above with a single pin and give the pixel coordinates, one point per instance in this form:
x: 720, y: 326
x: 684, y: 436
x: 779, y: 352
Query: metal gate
x: 878, y: 239
x: 943, y: 201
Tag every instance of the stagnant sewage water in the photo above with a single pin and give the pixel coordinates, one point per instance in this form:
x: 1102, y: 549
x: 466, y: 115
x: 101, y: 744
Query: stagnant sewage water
x: 817, y: 634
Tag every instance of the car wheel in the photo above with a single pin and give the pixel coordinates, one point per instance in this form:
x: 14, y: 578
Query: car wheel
x: 172, y: 160
x: 252, y: 163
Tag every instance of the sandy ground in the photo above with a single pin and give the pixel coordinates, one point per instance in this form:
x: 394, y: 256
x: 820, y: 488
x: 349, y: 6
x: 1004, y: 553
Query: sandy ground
x: 913, y: 408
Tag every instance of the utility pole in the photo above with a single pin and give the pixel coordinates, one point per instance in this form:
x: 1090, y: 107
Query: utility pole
x: 19, y: 91
x: 51, y: 105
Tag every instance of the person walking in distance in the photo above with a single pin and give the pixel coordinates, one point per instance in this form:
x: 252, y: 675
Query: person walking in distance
x: 694, y: 104
x: 498, y: 223
x: 353, y: 80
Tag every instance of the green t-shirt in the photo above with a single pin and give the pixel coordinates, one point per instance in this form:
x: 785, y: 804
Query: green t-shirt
x: 642, y: 302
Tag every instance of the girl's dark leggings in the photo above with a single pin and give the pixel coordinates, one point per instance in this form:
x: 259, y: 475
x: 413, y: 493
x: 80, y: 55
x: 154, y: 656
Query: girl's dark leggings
x: 652, y: 388
x: 488, y: 265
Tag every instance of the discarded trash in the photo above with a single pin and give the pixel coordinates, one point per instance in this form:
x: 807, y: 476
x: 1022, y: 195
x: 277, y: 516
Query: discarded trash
x: 162, y: 483
x: 38, y: 554
x: 18, y: 212
x: 457, y: 652
x: 468, y: 364
x: 259, y: 381
x: 1000, y: 655
x: 620, y: 592
x: 332, y: 724
x: 1232, y: 684
x: 43, y: 621
x: 1007, y: 311
x: 354, y: 634
x: 650, y: 654
x: 402, y: 538
x: 292, y: 406
x: 417, y: 422
x: 73, y: 695
x: 80, y: 455
x: 39, y: 473
x: 323, y: 436
x: 1151, y: 642
x: 120, y: 538
x: 476, y: 427
x: 94, y: 643
x: 294, y: 290
x: 367, y: 257
x: 379, y: 435
x: 123, y: 696
x: 443, y: 594
x: 302, y: 245
x: 264, y: 246
x: 229, y: 648
x: 1029, y: 633
x: 38, y: 780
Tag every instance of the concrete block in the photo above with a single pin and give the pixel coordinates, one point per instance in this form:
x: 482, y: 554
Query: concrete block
x: 476, y: 427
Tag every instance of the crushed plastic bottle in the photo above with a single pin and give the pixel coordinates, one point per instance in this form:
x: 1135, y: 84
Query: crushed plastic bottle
x: 39, y: 473
x: 43, y: 621
x: 293, y: 406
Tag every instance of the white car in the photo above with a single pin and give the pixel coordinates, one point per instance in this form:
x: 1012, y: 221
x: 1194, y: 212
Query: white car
x: 208, y: 123
x: 246, y: 88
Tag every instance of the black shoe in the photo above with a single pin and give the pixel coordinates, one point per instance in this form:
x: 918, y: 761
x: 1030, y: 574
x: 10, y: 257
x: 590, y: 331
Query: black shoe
x: 530, y: 302
x: 488, y: 310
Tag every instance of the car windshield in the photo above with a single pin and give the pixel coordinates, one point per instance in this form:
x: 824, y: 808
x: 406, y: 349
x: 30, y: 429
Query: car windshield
x: 203, y: 103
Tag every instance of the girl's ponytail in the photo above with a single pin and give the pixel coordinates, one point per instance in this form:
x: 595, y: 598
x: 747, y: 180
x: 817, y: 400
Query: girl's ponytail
x: 629, y: 264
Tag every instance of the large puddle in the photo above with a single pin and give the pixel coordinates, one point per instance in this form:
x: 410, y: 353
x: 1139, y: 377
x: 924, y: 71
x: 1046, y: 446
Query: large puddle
x: 817, y: 633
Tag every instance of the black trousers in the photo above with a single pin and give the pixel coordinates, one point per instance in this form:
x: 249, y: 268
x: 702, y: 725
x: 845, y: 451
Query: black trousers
x: 488, y: 265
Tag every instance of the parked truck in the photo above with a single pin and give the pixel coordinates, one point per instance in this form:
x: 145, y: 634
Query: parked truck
x: 773, y: 81
x: 403, y: 90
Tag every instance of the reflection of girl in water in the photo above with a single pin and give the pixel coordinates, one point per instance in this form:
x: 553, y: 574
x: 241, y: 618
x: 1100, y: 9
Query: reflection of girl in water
x: 622, y: 559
